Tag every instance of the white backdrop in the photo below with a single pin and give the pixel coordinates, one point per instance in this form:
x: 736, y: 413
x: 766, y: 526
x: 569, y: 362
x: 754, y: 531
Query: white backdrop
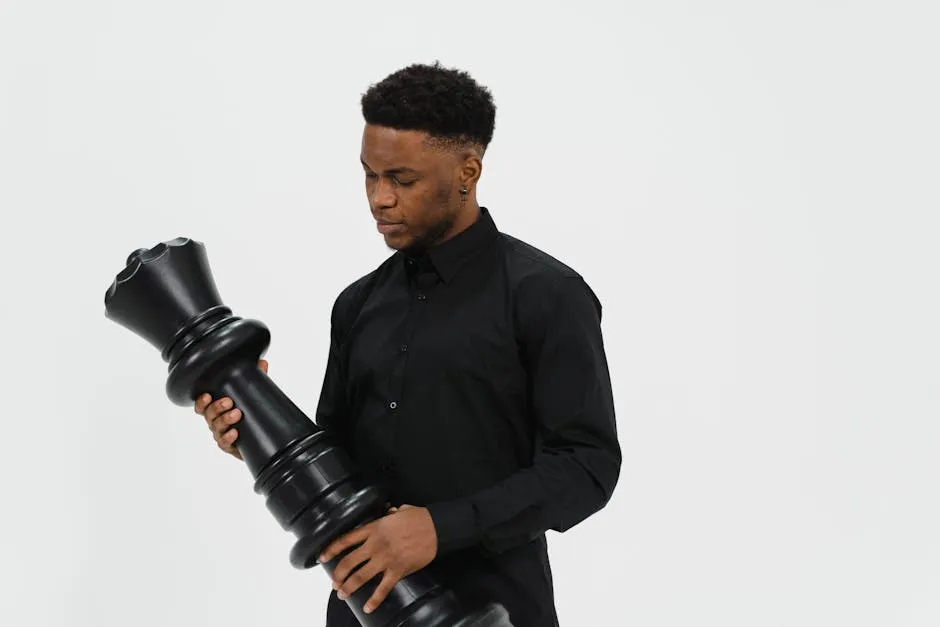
x: 752, y: 192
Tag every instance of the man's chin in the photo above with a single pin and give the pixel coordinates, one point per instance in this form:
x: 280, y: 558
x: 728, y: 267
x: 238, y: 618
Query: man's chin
x: 406, y: 242
x: 397, y: 241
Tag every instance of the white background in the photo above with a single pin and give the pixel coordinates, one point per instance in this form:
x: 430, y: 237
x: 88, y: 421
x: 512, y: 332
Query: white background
x: 751, y: 189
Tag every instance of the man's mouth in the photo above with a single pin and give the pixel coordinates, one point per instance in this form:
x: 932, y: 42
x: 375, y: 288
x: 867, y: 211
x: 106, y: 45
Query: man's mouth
x: 388, y: 227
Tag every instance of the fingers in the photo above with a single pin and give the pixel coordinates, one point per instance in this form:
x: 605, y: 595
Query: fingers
x: 226, y: 442
x: 202, y: 402
x: 354, y: 537
x: 365, y: 574
x: 347, y: 565
x: 385, y: 587
x: 214, y: 409
x: 221, y: 423
x: 220, y: 415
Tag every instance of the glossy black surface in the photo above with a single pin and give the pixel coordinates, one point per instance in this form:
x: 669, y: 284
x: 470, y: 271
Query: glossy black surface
x: 167, y: 296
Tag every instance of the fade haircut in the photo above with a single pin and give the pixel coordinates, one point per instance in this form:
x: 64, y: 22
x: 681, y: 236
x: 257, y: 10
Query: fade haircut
x: 447, y: 104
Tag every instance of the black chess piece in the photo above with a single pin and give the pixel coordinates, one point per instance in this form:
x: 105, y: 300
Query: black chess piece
x: 168, y: 296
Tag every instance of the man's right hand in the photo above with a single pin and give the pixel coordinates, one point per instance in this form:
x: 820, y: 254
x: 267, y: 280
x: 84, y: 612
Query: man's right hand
x: 221, y: 415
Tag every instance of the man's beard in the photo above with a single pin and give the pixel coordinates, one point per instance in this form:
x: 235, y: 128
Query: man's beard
x: 444, y: 224
x: 430, y: 237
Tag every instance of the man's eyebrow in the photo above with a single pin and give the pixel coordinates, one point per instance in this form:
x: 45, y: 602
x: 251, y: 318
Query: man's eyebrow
x: 401, y: 170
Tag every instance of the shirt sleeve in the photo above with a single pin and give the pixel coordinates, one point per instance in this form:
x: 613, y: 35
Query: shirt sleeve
x: 332, y: 408
x: 577, y: 456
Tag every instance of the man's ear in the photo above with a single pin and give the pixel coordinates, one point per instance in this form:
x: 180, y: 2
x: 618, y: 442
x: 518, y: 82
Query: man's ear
x: 470, y: 169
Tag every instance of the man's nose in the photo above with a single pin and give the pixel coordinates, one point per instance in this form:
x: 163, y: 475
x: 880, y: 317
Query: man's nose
x: 383, y: 196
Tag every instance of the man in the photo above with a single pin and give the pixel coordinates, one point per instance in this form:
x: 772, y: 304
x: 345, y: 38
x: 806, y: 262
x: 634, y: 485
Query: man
x: 466, y: 373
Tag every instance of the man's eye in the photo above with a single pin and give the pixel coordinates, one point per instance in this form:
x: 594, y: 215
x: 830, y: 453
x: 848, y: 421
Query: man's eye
x: 404, y: 183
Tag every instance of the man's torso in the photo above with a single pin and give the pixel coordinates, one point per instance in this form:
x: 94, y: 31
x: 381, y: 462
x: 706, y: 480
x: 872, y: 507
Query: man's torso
x: 438, y: 399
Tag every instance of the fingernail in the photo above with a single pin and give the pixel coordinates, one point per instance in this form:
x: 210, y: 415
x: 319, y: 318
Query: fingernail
x: 368, y: 609
x: 341, y: 595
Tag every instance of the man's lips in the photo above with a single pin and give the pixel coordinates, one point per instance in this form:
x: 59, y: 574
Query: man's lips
x: 388, y: 227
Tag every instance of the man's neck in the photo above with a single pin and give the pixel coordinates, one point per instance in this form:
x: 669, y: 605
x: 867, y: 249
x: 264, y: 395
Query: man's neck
x: 467, y: 217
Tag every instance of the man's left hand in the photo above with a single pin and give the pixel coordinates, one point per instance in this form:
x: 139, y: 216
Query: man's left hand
x: 398, y: 544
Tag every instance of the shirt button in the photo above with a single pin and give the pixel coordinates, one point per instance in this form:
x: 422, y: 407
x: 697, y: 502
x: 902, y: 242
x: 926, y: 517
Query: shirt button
x: 404, y: 348
x: 393, y: 405
x: 422, y: 297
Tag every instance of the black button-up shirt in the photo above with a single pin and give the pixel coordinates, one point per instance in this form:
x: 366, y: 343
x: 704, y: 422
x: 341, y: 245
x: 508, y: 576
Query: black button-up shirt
x: 473, y: 380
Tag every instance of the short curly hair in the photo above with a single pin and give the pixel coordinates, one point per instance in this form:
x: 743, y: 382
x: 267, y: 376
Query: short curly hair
x: 446, y: 103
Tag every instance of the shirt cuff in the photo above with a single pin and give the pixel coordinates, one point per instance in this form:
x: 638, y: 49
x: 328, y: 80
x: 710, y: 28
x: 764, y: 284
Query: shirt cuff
x: 455, y: 524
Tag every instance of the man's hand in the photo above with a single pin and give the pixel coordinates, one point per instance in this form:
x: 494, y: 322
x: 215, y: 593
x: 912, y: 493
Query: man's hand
x: 221, y: 415
x: 398, y: 544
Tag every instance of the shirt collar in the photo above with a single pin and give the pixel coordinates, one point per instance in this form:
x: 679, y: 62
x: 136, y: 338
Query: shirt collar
x: 447, y: 258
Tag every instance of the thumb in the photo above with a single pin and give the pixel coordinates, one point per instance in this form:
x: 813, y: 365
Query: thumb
x: 263, y: 365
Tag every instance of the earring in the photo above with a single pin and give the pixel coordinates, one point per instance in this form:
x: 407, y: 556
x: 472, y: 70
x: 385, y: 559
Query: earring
x: 464, y: 191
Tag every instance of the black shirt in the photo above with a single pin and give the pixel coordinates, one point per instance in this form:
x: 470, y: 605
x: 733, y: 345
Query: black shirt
x: 473, y: 380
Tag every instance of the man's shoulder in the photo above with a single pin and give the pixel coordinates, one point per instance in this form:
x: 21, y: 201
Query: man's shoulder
x: 540, y: 280
x: 354, y: 294
x: 528, y: 263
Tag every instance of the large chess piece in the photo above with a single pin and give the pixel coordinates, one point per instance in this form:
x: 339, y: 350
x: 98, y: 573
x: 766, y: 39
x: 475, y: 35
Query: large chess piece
x: 167, y: 296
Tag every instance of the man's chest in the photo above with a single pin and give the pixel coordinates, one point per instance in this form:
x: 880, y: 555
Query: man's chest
x: 436, y: 381
x: 439, y: 336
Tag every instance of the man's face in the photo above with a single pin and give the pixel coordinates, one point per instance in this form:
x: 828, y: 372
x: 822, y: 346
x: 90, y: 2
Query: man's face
x: 413, y: 189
